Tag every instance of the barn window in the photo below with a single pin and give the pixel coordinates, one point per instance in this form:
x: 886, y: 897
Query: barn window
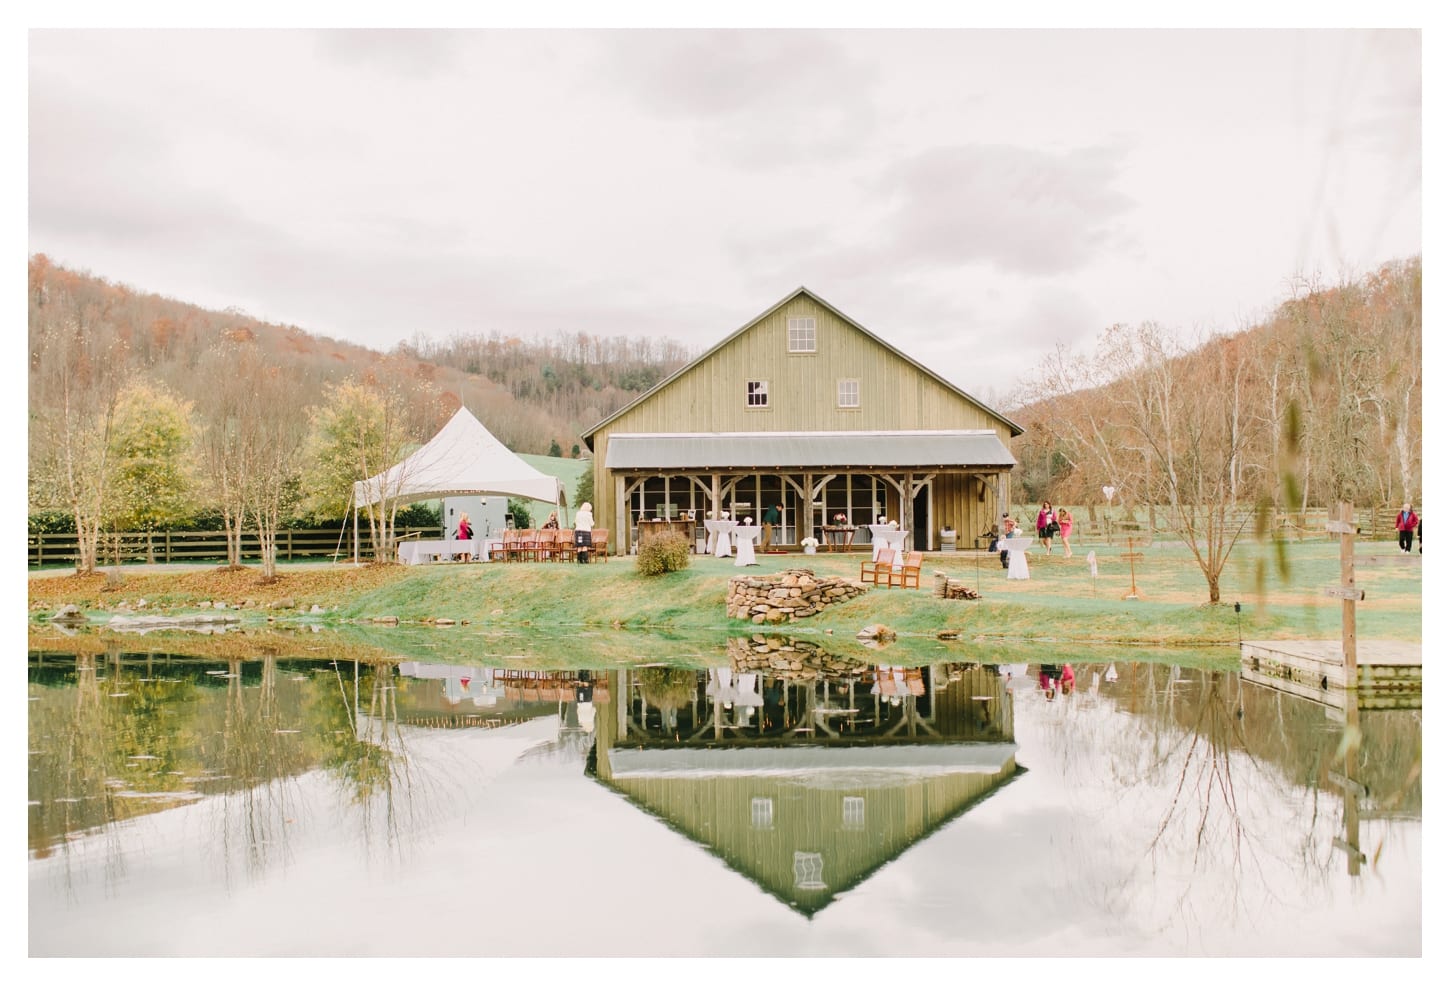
x: 762, y: 813
x: 757, y: 393
x: 800, y: 335
x: 809, y: 868
x: 853, y: 814
x: 848, y: 393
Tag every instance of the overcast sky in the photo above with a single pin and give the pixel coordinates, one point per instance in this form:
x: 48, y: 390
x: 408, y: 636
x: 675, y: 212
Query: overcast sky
x: 974, y: 197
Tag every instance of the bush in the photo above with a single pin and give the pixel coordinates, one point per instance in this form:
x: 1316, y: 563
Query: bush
x: 52, y: 522
x: 663, y: 553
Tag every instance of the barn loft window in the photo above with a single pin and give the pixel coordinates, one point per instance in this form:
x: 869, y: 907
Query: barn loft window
x: 757, y: 393
x: 801, y: 335
x: 848, y: 393
x: 853, y: 814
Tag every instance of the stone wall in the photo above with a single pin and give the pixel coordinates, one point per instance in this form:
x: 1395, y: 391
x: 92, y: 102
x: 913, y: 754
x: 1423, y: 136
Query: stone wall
x: 786, y: 596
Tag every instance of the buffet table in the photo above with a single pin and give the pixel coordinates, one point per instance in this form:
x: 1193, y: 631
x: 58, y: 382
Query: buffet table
x: 653, y: 528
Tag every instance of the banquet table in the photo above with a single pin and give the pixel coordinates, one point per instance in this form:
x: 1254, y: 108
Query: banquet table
x: 886, y: 538
x: 745, y: 536
x: 423, y: 552
x: 717, y: 545
x: 652, y: 527
x: 835, y: 538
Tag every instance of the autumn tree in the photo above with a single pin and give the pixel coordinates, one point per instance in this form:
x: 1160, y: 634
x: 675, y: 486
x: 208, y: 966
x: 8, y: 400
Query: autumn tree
x: 151, y: 478
x: 361, y: 429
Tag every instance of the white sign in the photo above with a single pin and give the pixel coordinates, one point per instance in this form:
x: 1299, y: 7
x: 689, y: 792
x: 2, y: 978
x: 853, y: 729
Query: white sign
x: 1108, y: 492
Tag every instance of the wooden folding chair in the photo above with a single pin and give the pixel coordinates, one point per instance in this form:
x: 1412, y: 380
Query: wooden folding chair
x: 499, y: 551
x: 878, y: 572
x: 599, y: 544
x: 909, y: 577
x: 564, y: 546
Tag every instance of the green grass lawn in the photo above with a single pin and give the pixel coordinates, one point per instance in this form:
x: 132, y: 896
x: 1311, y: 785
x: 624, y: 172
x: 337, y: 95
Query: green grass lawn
x: 1281, y: 596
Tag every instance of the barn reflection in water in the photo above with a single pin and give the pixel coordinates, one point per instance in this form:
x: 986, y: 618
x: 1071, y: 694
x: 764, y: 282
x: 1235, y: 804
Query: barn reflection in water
x: 804, y: 771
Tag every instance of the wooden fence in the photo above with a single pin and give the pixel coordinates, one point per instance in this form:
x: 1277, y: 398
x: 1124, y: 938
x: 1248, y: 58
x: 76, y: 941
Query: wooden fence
x: 199, y: 546
x: 1375, y: 523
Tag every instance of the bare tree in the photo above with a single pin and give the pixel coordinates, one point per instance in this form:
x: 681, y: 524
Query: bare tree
x: 75, y: 383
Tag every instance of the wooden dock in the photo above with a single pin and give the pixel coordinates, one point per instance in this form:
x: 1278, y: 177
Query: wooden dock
x: 1388, y: 669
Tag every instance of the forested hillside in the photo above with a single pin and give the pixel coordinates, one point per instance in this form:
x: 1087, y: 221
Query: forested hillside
x: 1319, y: 402
x: 147, y: 412
x: 531, y: 394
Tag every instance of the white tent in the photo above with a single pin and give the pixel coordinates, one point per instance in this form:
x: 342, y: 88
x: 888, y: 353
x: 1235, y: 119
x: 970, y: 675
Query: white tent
x: 462, y: 458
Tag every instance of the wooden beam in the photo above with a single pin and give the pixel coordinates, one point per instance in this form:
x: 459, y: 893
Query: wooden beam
x: 1347, y: 785
x: 1352, y: 851
x: 1347, y: 592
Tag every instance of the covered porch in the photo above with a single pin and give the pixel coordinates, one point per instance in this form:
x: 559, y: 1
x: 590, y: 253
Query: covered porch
x: 831, y: 485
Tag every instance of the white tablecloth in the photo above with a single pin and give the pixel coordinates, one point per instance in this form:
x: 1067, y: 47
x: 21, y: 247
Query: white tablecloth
x: 745, y: 537
x: 423, y: 552
x: 884, y: 538
x: 716, y: 545
x: 1016, y: 549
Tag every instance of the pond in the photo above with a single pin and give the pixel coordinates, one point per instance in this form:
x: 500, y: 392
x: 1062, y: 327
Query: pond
x: 775, y: 798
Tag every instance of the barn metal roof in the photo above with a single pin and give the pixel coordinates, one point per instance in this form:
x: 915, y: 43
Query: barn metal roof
x: 813, y: 449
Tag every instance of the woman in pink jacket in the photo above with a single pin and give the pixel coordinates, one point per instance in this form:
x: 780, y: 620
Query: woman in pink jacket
x: 1045, y: 520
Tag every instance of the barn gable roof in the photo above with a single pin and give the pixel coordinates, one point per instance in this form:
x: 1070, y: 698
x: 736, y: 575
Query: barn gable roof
x: 802, y: 291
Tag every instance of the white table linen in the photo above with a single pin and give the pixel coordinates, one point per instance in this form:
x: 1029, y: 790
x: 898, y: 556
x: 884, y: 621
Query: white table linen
x: 885, y: 538
x: 717, y: 545
x: 423, y: 552
x: 1016, y: 549
x: 745, y: 536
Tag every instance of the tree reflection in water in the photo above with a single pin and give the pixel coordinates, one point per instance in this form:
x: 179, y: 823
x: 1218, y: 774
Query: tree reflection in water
x: 1215, y: 784
x: 369, y: 755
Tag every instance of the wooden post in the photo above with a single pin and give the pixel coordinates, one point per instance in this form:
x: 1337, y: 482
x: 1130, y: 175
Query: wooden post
x: 1133, y: 557
x: 1347, y: 606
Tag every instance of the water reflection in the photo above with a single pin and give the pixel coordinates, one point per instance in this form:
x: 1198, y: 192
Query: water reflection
x: 1138, y: 796
x: 804, y: 771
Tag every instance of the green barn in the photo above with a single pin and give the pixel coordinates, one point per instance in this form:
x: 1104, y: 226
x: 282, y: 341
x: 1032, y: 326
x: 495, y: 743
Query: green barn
x: 806, y: 408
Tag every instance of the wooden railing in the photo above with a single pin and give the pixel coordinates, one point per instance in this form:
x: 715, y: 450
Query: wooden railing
x: 165, y: 547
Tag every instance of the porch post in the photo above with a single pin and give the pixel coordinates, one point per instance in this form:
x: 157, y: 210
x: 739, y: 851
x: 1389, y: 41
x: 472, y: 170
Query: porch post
x: 621, y: 516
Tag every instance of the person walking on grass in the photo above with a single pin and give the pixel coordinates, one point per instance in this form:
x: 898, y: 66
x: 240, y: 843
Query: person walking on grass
x: 1045, y: 519
x: 1064, y: 530
x: 1405, y: 523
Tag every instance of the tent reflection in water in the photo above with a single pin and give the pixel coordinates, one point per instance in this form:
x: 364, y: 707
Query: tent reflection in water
x: 463, y: 458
